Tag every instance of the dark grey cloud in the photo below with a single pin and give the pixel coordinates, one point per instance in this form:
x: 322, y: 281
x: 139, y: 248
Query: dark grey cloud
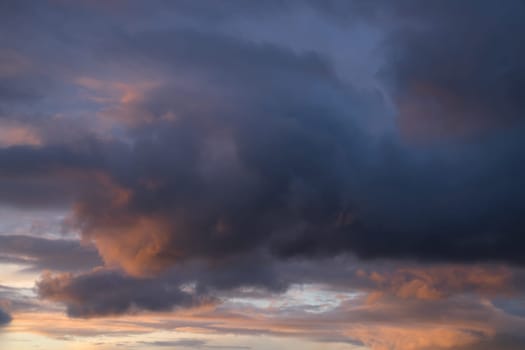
x: 500, y: 341
x: 271, y: 154
x: 252, y: 149
x: 457, y: 67
x: 103, y: 293
x: 51, y: 175
x: 301, y: 176
x: 48, y: 254
x: 253, y: 277
x: 5, y: 318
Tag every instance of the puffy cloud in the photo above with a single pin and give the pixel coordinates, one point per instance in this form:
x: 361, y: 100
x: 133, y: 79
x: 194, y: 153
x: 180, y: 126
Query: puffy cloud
x: 230, y: 160
x: 202, y: 160
x: 103, y: 293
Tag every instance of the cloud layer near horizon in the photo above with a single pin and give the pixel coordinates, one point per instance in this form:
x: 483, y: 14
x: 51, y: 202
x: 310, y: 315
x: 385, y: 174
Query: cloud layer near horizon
x: 202, y: 150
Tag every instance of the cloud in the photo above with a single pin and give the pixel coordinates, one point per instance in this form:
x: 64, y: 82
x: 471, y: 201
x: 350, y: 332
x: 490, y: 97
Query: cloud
x: 5, y: 318
x: 205, y: 161
x: 437, y: 282
x: 52, y: 254
x: 229, y: 160
x: 192, y: 285
x: 454, y: 76
x: 18, y: 300
x: 387, y: 324
x: 103, y: 293
x: 503, y: 341
x: 11, y: 135
x: 192, y: 343
x: 196, y: 284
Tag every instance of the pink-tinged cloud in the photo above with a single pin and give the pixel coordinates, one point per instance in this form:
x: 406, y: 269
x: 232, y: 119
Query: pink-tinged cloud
x: 438, y: 282
x: 12, y: 134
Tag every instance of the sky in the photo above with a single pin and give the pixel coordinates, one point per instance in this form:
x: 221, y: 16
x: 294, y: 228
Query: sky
x: 260, y: 175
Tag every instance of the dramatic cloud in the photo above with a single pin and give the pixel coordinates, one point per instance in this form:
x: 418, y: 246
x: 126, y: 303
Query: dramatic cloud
x: 205, y: 153
x: 228, y: 160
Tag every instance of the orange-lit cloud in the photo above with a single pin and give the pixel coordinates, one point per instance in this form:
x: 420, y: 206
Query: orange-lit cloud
x: 388, y: 325
x: 437, y: 282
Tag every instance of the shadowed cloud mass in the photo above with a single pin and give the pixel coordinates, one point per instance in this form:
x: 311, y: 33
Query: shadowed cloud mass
x: 247, y: 146
x: 205, y: 152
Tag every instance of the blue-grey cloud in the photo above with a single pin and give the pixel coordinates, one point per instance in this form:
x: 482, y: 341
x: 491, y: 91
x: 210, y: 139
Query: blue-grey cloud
x: 252, y: 146
x: 50, y: 254
x: 103, y: 293
x: 5, y: 318
x: 244, y: 153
